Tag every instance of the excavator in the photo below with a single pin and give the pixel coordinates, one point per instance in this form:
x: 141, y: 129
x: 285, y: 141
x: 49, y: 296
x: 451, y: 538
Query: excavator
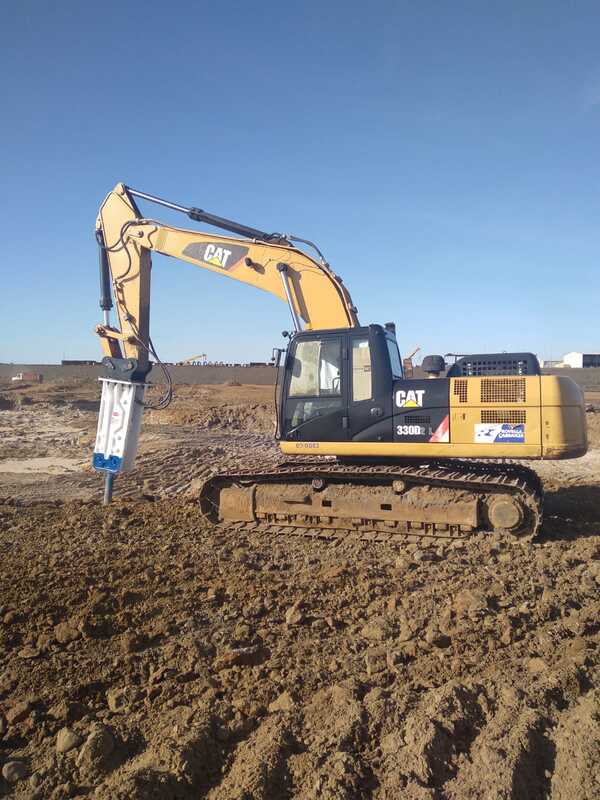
x: 370, y: 453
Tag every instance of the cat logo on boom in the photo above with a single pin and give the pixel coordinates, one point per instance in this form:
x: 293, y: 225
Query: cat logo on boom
x: 217, y: 255
x: 411, y: 398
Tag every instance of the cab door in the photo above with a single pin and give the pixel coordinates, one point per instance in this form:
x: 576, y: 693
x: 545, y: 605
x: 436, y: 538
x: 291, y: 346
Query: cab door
x: 369, y: 386
x: 316, y: 397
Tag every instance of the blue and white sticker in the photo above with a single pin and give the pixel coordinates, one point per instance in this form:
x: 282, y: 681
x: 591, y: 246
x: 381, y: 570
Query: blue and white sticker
x: 500, y: 433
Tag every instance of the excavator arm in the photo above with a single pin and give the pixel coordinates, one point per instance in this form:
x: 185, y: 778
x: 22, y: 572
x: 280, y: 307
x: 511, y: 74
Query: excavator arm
x: 270, y: 262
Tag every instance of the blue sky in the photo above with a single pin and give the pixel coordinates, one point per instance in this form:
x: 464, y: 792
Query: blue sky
x: 445, y: 157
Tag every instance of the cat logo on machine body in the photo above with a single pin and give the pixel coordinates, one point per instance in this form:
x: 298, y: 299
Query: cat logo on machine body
x: 226, y: 257
x: 410, y: 398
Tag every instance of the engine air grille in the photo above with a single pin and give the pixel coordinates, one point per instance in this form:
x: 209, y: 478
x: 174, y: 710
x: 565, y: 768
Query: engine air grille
x: 503, y: 390
x: 514, y: 417
x: 418, y: 419
x: 460, y: 390
x: 496, y: 364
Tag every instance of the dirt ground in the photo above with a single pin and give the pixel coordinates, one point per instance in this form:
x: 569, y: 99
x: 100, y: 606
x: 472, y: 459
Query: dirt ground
x: 145, y: 654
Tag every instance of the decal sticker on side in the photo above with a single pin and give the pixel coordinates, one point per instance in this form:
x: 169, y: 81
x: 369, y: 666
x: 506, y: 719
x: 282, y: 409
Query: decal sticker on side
x: 410, y: 430
x: 442, y: 432
x: 500, y: 433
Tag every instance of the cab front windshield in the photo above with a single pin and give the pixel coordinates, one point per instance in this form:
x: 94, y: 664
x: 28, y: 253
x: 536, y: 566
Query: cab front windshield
x: 316, y: 369
x: 316, y: 382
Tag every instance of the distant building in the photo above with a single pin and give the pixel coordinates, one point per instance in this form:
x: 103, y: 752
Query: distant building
x: 578, y: 360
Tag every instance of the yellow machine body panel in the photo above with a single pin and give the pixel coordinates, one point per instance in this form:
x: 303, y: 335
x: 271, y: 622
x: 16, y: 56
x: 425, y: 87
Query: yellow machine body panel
x: 547, y: 413
x: 562, y: 418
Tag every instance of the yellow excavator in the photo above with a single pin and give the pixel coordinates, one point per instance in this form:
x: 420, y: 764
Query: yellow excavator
x: 377, y: 455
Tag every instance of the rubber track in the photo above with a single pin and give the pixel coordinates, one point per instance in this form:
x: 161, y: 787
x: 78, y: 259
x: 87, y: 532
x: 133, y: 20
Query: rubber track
x: 476, y: 477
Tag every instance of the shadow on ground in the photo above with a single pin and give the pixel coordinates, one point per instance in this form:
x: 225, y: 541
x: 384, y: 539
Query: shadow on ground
x: 571, y: 512
x: 86, y: 405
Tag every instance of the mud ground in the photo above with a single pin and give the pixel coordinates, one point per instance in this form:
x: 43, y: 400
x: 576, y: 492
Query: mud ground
x: 144, y: 654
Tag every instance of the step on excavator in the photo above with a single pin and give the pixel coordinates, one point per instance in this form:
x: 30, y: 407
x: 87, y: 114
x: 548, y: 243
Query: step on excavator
x: 371, y: 453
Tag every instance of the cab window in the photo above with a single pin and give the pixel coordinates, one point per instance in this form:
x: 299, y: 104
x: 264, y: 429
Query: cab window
x: 361, y: 370
x: 395, y: 362
x: 316, y: 368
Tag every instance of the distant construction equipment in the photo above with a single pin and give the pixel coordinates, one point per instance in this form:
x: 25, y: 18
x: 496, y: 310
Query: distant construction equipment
x: 201, y: 360
x: 407, y: 363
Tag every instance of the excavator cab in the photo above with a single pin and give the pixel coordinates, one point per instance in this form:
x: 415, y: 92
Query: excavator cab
x: 338, y: 385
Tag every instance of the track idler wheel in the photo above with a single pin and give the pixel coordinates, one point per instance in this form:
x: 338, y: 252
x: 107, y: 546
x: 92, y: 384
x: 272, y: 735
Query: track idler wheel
x: 505, y: 513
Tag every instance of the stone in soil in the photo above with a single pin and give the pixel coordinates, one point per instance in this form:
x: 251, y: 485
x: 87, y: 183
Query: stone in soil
x: 376, y: 660
x: 94, y: 756
x: 285, y: 702
x: 18, y: 712
x: 66, y: 632
x: 67, y: 739
x: 294, y: 615
x: 14, y: 771
x: 118, y: 699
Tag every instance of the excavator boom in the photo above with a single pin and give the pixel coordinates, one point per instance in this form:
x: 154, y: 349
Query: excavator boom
x: 316, y: 296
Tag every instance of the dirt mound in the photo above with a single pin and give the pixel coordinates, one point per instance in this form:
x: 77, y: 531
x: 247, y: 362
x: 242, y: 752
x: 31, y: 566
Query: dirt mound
x: 144, y: 654
x: 593, y: 423
x: 229, y: 407
x: 254, y: 417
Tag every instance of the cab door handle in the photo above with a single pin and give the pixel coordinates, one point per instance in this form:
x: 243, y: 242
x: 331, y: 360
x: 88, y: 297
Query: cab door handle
x: 376, y: 411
